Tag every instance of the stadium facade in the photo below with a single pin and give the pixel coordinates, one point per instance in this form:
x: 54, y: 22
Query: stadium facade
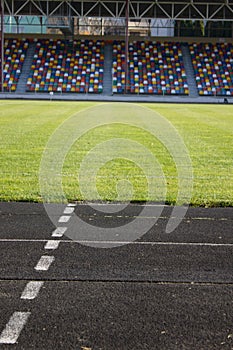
x: 124, y: 26
x: 34, y: 15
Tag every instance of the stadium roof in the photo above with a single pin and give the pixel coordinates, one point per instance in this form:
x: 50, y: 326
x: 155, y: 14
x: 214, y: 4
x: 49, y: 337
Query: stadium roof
x: 182, y: 9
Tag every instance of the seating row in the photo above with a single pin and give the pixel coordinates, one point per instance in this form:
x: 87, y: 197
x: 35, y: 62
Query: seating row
x: 153, y: 68
x: 213, y: 68
x: 15, y: 51
x: 67, y: 66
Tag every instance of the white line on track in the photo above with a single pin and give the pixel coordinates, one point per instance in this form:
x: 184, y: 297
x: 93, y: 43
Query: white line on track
x: 68, y: 210
x: 27, y: 240
x: 122, y: 242
x: 120, y: 204
x: 13, y: 328
x: 64, y: 218
x: 31, y: 290
x: 152, y: 243
x: 51, y: 245
x: 18, y: 319
x: 44, y: 263
x: 59, y: 232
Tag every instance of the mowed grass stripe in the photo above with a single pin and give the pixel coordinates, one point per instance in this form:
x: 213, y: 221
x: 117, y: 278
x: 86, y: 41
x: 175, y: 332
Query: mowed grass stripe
x: 207, y: 130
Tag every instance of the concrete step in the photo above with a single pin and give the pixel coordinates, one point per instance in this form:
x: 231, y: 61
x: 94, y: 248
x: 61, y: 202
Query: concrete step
x: 193, y: 92
x: 22, y: 83
x: 107, y: 80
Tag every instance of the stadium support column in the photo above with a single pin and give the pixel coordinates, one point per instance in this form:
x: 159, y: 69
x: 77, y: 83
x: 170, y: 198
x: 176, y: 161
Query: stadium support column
x: 2, y: 44
x: 126, y: 43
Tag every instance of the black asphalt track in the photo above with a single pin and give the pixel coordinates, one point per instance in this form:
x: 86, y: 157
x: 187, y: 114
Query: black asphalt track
x: 165, y: 291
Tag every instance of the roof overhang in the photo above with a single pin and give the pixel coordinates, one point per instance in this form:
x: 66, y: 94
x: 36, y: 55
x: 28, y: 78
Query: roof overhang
x: 213, y: 10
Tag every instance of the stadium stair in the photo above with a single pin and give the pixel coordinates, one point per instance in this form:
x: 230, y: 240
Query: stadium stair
x: 107, y: 79
x: 22, y: 84
x: 193, y: 92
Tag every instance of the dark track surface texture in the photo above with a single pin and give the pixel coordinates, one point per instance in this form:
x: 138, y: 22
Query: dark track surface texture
x: 164, y: 291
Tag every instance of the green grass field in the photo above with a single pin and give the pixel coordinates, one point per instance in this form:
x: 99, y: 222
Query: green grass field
x: 207, y: 131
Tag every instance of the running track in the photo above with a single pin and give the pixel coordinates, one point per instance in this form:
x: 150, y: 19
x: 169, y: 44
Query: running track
x: 165, y: 291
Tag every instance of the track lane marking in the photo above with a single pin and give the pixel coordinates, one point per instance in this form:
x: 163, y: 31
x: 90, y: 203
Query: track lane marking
x: 59, y: 231
x: 64, y: 218
x: 68, y: 210
x: 122, y: 242
x: 31, y: 290
x: 153, y: 243
x: 14, y: 327
x: 51, y: 244
x: 18, y: 319
x: 44, y: 263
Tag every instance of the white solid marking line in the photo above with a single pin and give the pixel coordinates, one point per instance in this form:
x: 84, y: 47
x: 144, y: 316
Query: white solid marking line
x: 120, y: 204
x: 68, y: 210
x: 64, y: 218
x: 44, y: 263
x: 71, y: 205
x: 13, y: 328
x: 124, y: 242
x: 153, y: 243
x: 59, y: 232
x: 24, y: 240
x: 32, y: 289
x: 51, y: 244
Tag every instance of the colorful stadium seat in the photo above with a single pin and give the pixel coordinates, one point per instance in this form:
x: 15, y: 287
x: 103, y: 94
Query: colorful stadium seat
x: 213, y: 68
x: 15, y: 51
x: 153, y: 68
x: 67, y: 66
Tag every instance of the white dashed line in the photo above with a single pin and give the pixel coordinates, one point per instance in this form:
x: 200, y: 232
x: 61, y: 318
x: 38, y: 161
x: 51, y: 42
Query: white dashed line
x: 13, y: 328
x: 68, y: 210
x: 44, y: 263
x: 59, y: 232
x: 64, y: 218
x: 32, y: 289
x: 17, y: 321
x: 52, y: 245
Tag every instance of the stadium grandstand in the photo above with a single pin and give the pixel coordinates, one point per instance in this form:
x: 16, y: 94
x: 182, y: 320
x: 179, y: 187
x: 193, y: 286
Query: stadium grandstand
x: 155, y: 50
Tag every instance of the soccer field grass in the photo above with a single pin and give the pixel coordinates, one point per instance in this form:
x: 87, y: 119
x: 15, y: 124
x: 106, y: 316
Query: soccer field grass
x: 206, y: 130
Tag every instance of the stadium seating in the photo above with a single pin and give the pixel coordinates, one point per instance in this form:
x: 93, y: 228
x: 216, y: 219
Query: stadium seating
x: 15, y: 51
x: 67, y: 66
x: 153, y: 68
x: 213, y: 68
